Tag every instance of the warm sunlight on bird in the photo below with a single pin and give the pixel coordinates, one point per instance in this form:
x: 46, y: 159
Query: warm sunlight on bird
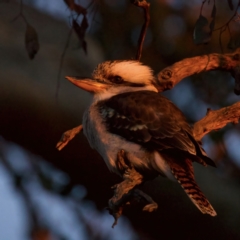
x: 127, y: 113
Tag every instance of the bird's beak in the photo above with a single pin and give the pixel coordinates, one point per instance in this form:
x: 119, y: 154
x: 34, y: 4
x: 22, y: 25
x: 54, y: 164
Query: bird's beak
x: 87, y: 84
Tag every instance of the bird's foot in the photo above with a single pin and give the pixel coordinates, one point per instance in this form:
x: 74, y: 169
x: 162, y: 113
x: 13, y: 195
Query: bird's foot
x: 151, y: 206
x: 120, y: 199
x: 115, y: 211
x: 122, y: 191
x: 125, y: 191
x: 116, y: 205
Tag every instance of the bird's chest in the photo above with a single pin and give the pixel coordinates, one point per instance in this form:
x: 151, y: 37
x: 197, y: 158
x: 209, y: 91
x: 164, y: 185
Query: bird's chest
x: 108, y: 144
x: 95, y: 129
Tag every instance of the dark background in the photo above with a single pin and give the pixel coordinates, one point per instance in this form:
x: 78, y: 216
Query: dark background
x: 32, y: 117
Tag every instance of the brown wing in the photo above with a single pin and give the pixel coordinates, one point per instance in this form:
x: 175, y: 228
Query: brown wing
x: 151, y: 120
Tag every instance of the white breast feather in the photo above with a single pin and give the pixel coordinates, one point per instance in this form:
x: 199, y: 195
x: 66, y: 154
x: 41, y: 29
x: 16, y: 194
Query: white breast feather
x: 108, y: 145
x: 120, y: 89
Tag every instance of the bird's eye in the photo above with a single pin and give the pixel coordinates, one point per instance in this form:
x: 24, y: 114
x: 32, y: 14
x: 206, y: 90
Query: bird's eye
x: 116, y: 79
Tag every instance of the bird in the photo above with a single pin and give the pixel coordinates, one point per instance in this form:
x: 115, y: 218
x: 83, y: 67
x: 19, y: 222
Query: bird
x: 127, y: 113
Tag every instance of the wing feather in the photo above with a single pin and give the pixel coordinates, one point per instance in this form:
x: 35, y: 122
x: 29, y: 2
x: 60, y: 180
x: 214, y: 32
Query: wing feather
x: 150, y: 119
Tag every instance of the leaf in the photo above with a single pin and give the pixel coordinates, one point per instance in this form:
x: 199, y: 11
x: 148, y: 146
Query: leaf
x: 84, y: 24
x: 202, y: 33
x: 77, y: 29
x: 31, y: 41
x: 213, y: 15
x: 230, y: 4
x: 84, y: 46
x: 65, y: 190
x: 46, y: 181
x: 79, y: 9
x: 70, y: 3
x: 234, y: 42
x: 214, y: 11
x: 76, y: 7
x: 231, y: 44
x: 80, y: 31
x: 18, y: 180
x: 211, y: 26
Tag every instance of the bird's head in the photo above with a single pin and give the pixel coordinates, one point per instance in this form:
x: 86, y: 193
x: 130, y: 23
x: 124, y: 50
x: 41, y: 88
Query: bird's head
x: 119, y: 76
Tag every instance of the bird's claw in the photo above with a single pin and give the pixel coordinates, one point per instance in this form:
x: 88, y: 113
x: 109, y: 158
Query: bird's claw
x: 115, y: 211
x: 126, y: 191
x: 114, y: 186
x: 150, y: 207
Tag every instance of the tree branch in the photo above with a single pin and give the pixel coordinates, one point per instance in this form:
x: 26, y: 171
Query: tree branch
x: 125, y: 191
x: 170, y: 76
x: 215, y: 120
x: 68, y: 136
x: 145, y: 6
x: 122, y: 191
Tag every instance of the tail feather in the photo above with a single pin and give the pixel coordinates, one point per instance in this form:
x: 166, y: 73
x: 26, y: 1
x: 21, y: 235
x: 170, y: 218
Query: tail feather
x: 185, y: 176
x: 195, y: 194
x: 201, y: 155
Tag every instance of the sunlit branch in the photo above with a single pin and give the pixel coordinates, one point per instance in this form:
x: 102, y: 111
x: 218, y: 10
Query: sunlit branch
x: 68, y: 136
x: 217, y: 119
x: 170, y: 76
x: 61, y: 62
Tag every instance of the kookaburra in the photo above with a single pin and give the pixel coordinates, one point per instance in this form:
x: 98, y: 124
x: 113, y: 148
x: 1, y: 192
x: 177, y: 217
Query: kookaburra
x: 127, y: 113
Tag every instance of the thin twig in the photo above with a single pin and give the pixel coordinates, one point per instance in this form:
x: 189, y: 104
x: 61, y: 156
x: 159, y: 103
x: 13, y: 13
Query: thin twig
x: 145, y: 5
x: 94, y: 11
x: 203, y: 2
x: 20, y: 14
x: 61, y: 62
x: 90, y: 4
x: 228, y: 22
x: 220, y: 38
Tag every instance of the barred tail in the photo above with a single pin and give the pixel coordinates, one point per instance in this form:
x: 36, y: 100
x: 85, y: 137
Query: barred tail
x: 187, y: 181
x: 194, y: 193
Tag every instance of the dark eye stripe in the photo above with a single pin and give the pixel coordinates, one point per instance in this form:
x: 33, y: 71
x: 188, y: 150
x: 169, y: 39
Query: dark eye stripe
x: 135, y: 84
x: 116, y: 79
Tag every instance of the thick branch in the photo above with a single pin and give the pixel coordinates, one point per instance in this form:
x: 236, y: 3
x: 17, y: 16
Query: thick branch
x: 215, y: 120
x: 172, y: 75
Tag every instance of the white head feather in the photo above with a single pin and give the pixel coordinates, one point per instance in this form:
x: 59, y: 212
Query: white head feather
x: 131, y: 71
